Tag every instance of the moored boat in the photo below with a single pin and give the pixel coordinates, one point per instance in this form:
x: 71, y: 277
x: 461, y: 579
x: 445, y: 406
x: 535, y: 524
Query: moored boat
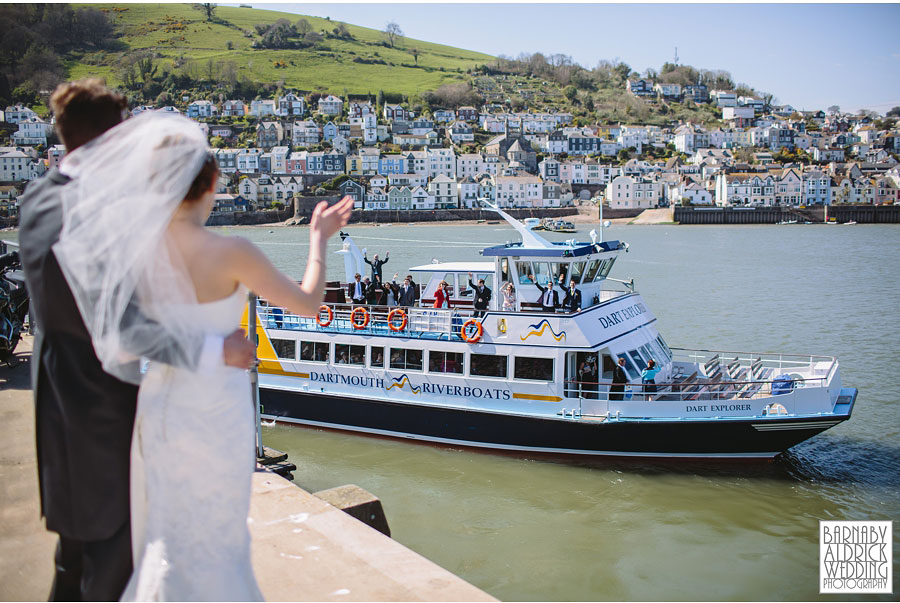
x: 520, y: 379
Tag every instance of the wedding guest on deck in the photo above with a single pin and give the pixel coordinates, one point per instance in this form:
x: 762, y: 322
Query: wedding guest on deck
x: 572, y: 301
x: 376, y: 264
x: 509, y: 297
x: 357, y: 290
x: 482, y: 296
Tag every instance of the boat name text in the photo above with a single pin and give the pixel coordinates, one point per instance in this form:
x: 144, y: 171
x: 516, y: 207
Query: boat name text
x: 466, y: 391
x: 428, y: 388
x: 620, y: 316
x: 717, y: 407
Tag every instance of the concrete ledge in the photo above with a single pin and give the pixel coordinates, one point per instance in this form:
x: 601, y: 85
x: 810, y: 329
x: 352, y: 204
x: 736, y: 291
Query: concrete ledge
x: 357, y: 502
x: 305, y: 549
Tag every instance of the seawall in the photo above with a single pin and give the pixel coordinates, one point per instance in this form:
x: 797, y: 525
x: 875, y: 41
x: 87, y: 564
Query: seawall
x: 863, y: 214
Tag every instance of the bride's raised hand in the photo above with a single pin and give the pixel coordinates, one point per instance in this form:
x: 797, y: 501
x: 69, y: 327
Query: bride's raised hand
x: 328, y: 220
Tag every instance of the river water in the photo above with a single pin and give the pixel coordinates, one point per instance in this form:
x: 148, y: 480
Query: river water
x: 634, y: 530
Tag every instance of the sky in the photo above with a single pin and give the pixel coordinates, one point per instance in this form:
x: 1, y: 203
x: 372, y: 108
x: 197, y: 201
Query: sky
x: 811, y: 56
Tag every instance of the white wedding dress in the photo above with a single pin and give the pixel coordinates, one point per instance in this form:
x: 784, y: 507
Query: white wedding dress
x: 192, y: 461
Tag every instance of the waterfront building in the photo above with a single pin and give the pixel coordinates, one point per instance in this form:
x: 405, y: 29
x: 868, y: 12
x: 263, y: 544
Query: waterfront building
x: 628, y: 192
x: 745, y: 189
x: 443, y: 190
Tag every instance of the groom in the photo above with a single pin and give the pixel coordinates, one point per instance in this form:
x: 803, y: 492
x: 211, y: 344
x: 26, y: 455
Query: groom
x: 84, y: 416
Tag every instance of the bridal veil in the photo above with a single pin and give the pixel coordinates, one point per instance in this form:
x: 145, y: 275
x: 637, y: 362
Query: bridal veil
x: 127, y: 280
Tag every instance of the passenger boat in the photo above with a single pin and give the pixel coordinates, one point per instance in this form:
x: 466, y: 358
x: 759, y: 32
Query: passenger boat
x: 511, y: 380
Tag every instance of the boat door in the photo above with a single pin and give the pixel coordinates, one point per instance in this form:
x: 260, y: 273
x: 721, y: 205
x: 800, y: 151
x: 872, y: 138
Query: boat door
x: 582, y: 380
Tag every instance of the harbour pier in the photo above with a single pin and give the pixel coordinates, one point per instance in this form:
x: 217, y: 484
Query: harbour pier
x: 304, y: 548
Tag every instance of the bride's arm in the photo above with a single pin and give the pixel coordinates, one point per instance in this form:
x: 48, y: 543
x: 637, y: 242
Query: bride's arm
x: 250, y: 266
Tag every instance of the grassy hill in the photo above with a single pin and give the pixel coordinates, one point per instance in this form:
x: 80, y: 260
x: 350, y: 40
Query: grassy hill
x: 181, y: 38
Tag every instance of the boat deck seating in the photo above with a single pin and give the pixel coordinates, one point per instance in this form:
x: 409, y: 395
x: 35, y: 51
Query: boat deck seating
x: 758, y: 375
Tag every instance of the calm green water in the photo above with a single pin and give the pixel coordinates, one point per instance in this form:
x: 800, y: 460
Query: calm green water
x: 614, y: 530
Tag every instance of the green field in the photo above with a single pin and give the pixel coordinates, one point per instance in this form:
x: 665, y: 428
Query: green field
x: 180, y: 34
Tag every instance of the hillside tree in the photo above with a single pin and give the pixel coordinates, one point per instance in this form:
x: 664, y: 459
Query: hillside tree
x: 415, y: 53
x: 209, y: 8
x: 392, y: 31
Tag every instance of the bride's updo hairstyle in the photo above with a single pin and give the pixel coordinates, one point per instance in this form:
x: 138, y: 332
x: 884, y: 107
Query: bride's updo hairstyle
x: 204, y: 179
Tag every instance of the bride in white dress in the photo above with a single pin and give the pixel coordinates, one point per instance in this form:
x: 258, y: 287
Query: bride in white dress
x: 143, y: 269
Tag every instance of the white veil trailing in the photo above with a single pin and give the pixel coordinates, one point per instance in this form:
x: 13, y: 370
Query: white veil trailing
x: 126, y: 279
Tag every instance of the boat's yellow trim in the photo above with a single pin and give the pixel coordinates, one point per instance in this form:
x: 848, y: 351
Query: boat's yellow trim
x: 537, y: 397
x: 268, y: 360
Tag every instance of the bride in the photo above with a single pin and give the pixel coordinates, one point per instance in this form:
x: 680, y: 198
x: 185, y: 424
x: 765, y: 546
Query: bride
x: 144, y: 269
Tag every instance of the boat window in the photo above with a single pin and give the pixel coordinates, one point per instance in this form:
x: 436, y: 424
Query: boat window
x: 638, y: 360
x: 314, y: 351
x: 604, y: 269
x: 524, y: 271
x: 649, y: 352
x: 406, y: 360
x: 592, y: 270
x: 376, y: 356
x: 577, y: 271
x: 534, y: 369
x: 487, y: 365
x: 608, y: 366
x: 445, y: 362
x: 349, y: 354
x: 542, y: 273
x: 560, y: 269
x: 665, y: 346
x: 504, y: 269
x: 285, y: 348
x: 633, y: 373
x: 476, y: 276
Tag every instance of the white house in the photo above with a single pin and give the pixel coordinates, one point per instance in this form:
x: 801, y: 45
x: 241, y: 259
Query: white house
x: 32, y: 131
x: 628, y: 192
x: 443, y: 190
x: 305, y: 133
x: 14, y: 165
x: 262, y: 108
x: 518, y: 191
x: 331, y: 105
x: 18, y: 113
x: 724, y: 98
x: 441, y: 161
x: 201, y: 109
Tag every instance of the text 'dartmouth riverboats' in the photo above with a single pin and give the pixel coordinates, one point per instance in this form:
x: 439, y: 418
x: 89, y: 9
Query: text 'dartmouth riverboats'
x: 514, y: 380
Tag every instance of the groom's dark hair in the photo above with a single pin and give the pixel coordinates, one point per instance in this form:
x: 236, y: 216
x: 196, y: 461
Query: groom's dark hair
x: 85, y: 109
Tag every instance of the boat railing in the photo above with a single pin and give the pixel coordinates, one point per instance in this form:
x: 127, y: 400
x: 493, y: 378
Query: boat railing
x: 359, y: 319
x: 711, y: 361
x: 592, y: 397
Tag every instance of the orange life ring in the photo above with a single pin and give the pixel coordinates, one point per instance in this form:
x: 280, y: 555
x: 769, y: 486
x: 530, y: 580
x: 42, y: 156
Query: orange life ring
x: 475, y: 336
x: 390, y: 320
x: 327, y: 310
x: 357, y: 312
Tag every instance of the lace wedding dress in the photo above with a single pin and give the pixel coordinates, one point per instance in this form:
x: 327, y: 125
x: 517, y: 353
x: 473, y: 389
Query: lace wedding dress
x: 192, y: 461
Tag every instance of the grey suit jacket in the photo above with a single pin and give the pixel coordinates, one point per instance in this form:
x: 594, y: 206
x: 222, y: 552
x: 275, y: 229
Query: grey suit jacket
x: 84, y: 416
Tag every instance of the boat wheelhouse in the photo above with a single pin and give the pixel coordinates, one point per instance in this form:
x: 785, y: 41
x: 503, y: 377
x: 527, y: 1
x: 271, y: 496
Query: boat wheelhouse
x: 522, y: 379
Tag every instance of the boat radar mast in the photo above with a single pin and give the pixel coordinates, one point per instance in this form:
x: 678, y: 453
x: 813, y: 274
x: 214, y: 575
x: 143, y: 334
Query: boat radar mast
x: 529, y: 237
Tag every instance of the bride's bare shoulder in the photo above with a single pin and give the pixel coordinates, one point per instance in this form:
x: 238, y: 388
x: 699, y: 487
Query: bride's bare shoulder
x: 233, y: 247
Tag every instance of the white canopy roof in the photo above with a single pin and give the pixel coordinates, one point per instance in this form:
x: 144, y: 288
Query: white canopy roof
x: 455, y: 267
